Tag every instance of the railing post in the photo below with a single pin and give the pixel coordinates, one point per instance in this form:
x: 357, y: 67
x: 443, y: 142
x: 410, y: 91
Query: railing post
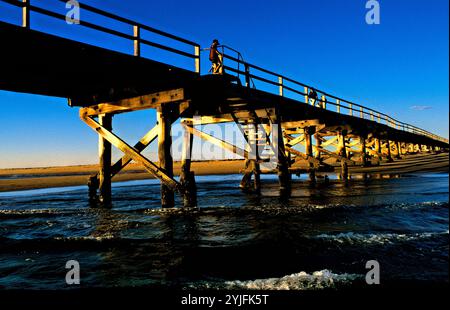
x: 137, y: 40
x: 247, y: 75
x: 324, y: 102
x: 379, y: 118
x: 361, y: 112
x: 338, y: 106
x: 371, y: 116
x: 26, y: 13
x: 306, y: 94
x: 281, y: 89
x: 197, y: 58
x: 350, y: 109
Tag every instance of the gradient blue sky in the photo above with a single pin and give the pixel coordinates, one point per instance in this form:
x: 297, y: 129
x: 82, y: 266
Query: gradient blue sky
x: 396, y: 67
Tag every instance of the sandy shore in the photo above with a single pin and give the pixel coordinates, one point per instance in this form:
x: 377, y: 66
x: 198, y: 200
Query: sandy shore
x: 34, y: 178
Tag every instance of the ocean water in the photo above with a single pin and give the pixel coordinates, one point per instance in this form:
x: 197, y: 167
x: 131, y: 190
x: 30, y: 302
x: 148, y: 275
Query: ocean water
x: 320, y: 237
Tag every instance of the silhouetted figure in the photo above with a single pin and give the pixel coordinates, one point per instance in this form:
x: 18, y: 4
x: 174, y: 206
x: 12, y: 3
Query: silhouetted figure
x: 312, y: 96
x: 216, y: 58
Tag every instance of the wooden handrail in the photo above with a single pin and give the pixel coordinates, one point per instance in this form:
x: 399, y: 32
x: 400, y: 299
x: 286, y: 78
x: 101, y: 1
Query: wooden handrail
x: 364, y: 111
x: 136, y: 38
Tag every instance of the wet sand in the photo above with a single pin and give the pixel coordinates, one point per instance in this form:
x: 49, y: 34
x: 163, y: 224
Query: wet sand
x: 34, y: 178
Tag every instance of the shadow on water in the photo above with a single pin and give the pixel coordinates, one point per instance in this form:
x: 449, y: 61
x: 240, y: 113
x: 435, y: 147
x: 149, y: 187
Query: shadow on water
x: 328, y: 230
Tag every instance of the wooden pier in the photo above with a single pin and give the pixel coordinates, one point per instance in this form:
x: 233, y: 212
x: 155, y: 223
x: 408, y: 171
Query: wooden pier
x: 103, y: 83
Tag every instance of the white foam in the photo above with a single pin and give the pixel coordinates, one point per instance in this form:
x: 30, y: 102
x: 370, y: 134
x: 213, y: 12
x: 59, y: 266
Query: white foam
x: 297, y: 281
x: 387, y: 238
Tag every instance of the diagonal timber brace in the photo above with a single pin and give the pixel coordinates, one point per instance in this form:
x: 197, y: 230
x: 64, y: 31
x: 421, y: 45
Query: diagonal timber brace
x: 317, y: 163
x: 294, y: 141
x: 341, y: 158
x: 218, y: 142
x: 152, y: 168
x: 140, y: 146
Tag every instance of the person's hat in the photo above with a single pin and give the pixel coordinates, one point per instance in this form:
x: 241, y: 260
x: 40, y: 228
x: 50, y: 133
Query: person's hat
x: 216, y: 41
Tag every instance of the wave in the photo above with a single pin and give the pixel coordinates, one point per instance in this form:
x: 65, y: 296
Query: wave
x: 318, y: 280
x: 386, y: 238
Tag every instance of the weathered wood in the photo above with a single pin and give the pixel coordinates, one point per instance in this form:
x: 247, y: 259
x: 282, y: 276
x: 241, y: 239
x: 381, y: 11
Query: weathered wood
x: 140, y: 146
x: 252, y: 167
x: 342, y: 152
x: 398, y: 153
x: 296, y: 141
x: 137, y: 103
x: 337, y: 155
x: 364, y: 159
x: 164, y: 154
x: 197, y: 59
x: 328, y: 142
x: 323, y: 102
x: 284, y: 177
x: 280, y: 87
x: 137, y: 40
x: 104, y: 149
x: 26, y: 13
x: 218, y: 142
x: 301, y: 124
x: 318, y: 145
x: 149, y: 137
x: 253, y: 143
x: 187, y: 177
x: 309, y: 152
x: 207, y: 120
x: 301, y: 156
x: 388, y: 148
x: 152, y: 168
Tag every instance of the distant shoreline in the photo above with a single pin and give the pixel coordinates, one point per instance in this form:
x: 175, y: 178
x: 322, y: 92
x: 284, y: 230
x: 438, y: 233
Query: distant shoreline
x: 18, y: 179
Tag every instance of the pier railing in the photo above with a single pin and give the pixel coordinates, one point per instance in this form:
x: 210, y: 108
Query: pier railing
x: 326, y: 101
x: 135, y: 38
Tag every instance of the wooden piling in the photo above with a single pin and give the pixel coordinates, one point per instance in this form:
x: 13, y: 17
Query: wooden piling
x: 284, y: 176
x: 398, y: 155
x: 378, y: 149
x: 343, y: 153
x: 389, y: 155
x: 164, y: 154
x: 318, y: 146
x: 104, y: 149
x: 253, y: 142
x: 364, y: 156
x: 187, y: 177
x: 309, y: 131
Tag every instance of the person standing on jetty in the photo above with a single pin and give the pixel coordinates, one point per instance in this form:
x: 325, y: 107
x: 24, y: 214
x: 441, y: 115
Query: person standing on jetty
x: 216, y: 58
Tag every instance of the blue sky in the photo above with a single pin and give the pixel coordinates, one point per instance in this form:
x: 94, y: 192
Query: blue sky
x: 399, y: 67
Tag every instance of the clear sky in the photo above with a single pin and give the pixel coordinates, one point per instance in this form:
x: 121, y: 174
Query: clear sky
x: 399, y: 67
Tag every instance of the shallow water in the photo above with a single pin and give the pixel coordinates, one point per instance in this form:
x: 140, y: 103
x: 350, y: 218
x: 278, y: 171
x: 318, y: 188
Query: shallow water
x: 319, y: 237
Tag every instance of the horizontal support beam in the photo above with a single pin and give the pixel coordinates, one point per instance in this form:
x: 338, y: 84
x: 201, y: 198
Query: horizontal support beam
x: 137, y: 103
x: 208, y: 120
x: 301, y: 124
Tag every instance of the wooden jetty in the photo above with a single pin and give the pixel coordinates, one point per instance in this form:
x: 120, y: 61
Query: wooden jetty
x: 104, y: 83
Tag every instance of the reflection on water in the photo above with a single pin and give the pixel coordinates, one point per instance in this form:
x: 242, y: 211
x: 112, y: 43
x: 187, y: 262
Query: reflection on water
x: 320, y: 236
